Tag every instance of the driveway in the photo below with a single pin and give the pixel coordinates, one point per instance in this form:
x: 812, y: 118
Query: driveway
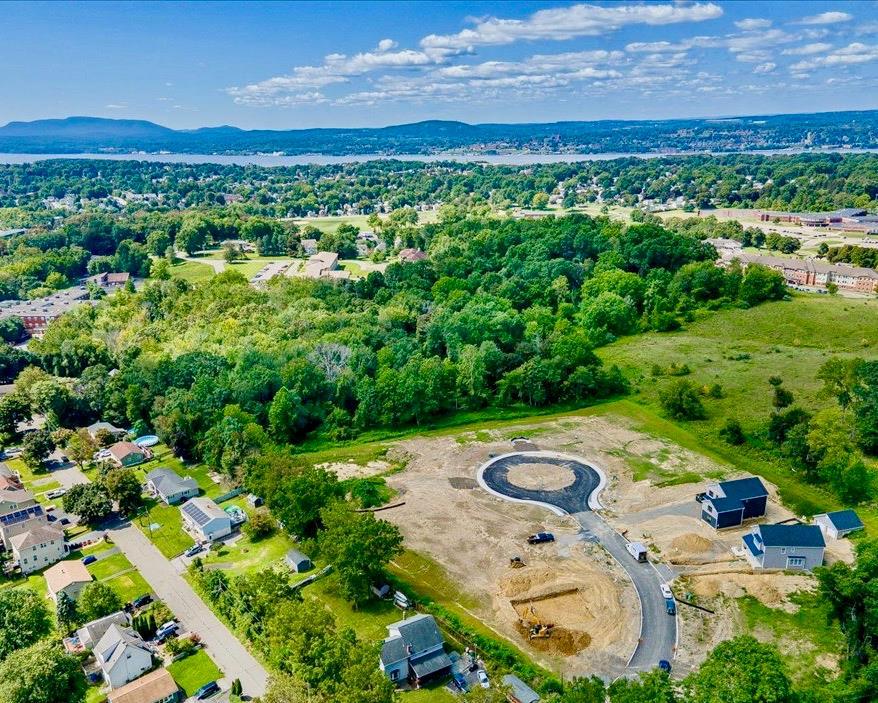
x: 226, y: 650
x: 658, y: 630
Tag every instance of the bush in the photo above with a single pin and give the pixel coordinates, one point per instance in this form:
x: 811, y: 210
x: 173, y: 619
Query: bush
x: 732, y: 432
x: 681, y: 401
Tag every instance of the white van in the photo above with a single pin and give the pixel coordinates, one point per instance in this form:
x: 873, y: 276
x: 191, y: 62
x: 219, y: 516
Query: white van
x: 637, y: 550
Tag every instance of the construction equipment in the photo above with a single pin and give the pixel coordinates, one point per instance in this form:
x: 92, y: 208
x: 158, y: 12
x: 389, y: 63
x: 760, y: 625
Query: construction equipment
x: 516, y: 562
x: 536, y: 628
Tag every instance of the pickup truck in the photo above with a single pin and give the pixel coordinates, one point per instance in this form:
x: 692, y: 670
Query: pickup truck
x: 541, y: 537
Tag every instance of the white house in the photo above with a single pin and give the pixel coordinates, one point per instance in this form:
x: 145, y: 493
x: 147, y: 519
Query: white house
x: 205, y: 520
x: 122, y: 655
x: 838, y: 524
x: 167, y: 485
x: 14, y: 499
x: 37, y: 548
x: 91, y: 633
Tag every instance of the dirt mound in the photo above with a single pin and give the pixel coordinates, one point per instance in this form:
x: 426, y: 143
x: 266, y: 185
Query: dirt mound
x: 561, y: 641
x: 540, y: 477
x: 772, y: 590
x: 690, y: 543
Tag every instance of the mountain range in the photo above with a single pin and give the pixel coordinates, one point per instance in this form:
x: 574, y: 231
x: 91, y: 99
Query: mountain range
x: 73, y: 135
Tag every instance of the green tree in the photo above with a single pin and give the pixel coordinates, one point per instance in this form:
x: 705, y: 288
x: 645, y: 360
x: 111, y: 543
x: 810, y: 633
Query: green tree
x: 260, y: 525
x: 42, y: 673
x: 157, y: 242
x: 97, y: 600
x: 741, y: 669
x: 14, y: 409
x: 81, y: 447
x: 24, y: 619
x: 652, y: 687
x: 732, y: 432
x: 358, y: 546
x: 66, y: 613
x: 123, y: 486
x: 299, y: 500
x: 681, y: 401
x: 88, y: 500
x: 36, y: 448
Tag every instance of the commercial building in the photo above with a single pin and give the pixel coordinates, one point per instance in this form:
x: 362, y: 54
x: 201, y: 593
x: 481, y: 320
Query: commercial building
x: 812, y: 273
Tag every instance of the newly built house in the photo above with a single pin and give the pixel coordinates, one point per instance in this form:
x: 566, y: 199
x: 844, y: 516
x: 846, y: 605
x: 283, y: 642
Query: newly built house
x: 729, y: 503
x: 205, y: 520
x: 414, y: 651
x: 167, y: 485
x: 797, y: 547
x: 839, y: 523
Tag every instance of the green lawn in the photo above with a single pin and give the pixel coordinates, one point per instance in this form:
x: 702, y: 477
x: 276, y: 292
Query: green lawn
x: 194, y: 671
x: 192, y: 271
x: 119, y: 574
x: 435, y: 694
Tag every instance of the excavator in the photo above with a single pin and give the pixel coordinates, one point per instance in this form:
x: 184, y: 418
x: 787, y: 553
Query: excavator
x: 537, y: 629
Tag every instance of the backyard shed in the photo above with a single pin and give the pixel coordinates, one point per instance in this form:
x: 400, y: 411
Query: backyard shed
x: 519, y: 691
x: 298, y: 562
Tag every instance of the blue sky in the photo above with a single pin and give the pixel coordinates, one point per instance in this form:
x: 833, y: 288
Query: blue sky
x: 279, y: 65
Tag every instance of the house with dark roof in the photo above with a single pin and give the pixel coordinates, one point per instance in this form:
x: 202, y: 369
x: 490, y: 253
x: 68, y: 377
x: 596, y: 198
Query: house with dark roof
x: 797, y: 547
x: 414, y: 651
x: 167, y: 485
x: 122, y: 655
x: 96, y: 427
x: 90, y: 634
x: 729, y: 503
x: 298, y: 561
x: 839, y: 523
x: 518, y: 691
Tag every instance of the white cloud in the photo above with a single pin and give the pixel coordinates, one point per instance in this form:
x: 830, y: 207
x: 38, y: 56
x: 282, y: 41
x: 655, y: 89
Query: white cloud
x: 807, y: 49
x: 567, y: 23
x: 684, y: 45
x: 116, y: 106
x: 757, y: 41
x: 827, y: 18
x: 386, y: 45
x: 849, y: 55
x: 751, y: 23
x: 767, y: 67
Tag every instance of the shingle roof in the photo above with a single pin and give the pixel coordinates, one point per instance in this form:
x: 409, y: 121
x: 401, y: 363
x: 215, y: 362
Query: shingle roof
x: 39, y: 534
x: 15, y: 495
x: 17, y: 516
x: 122, y: 449
x: 520, y: 690
x: 744, y: 488
x: 791, y: 536
x: 168, y: 482
x: 416, y: 634
x: 65, y: 573
x: 91, y: 633
x: 111, y: 647
x: 845, y: 520
x: 430, y: 663
x: 155, y: 686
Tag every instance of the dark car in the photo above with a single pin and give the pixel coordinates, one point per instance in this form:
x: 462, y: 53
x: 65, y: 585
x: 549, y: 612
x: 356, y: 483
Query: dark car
x: 670, y: 606
x: 90, y: 559
x: 193, y: 550
x: 145, y: 599
x: 665, y: 665
x: 207, y: 690
x: 460, y: 681
x: 541, y: 537
x: 699, y: 497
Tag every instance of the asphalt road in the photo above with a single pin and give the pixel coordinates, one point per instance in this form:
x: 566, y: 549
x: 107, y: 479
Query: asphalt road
x: 658, y: 635
x: 224, y: 648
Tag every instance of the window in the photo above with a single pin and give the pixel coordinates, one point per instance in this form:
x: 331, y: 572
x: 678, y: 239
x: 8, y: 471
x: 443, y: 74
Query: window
x: 394, y: 675
x: 795, y: 562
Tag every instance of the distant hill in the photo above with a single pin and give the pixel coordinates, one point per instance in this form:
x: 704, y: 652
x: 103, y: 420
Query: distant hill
x: 94, y: 134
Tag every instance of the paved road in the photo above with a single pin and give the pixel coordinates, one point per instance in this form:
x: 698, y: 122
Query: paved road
x: 658, y: 635
x: 226, y: 650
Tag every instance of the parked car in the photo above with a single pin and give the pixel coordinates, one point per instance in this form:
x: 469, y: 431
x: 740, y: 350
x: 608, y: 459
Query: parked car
x: 483, y: 679
x: 699, y: 497
x: 664, y: 665
x: 90, y: 559
x: 207, y: 690
x: 666, y: 590
x: 193, y: 550
x: 165, y: 631
x: 460, y: 682
x: 64, y: 521
x: 670, y: 606
x: 57, y: 493
x: 145, y: 599
x: 541, y: 537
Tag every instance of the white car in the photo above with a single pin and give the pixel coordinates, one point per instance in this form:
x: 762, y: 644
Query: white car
x: 666, y: 590
x: 57, y: 493
x: 483, y: 679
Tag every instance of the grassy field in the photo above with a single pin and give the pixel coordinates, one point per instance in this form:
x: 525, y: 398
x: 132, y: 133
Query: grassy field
x: 194, y: 671
x: 740, y: 350
x: 120, y: 575
x: 192, y: 271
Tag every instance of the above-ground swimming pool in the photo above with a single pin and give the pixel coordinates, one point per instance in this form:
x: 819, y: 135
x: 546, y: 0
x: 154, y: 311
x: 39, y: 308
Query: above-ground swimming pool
x: 148, y: 440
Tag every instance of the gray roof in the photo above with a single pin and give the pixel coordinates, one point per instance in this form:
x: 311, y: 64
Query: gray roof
x: 791, y: 536
x: 416, y: 634
x: 168, y: 482
x: 202, y: 510
x: 430, y: 663
x: 38, y: 534
x: 295, y: 556
x: 92, y: 632
x: 520, y: 690
x: 113, y: 645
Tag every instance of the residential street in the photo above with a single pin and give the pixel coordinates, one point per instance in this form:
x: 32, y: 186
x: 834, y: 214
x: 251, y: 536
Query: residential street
x: 226, y: 650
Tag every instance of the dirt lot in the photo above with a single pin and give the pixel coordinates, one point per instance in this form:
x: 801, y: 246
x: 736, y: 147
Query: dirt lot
x: 572, y: 584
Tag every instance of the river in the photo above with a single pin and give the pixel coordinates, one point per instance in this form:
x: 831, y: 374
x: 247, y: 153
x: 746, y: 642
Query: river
x: 516, y: 159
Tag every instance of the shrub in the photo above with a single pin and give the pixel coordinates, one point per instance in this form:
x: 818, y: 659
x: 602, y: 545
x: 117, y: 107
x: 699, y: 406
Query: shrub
x: 680, y: 400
